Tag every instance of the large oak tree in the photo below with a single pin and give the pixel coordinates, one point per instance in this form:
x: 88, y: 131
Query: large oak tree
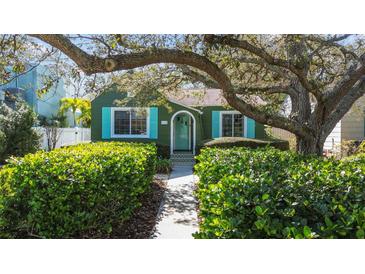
x: 321, y: 76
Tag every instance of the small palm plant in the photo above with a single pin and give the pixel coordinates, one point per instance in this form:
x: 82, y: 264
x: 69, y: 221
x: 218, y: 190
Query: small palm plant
x: 75, y: 104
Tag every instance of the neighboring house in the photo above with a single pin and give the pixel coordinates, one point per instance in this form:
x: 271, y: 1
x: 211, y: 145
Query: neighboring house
x: 350, y: 128
x: 25, y: 87
x: 182, y: 124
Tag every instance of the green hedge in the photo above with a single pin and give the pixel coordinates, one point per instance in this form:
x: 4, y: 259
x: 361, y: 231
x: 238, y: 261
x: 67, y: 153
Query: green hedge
x: 267, y: 193
x: 361, y: 148
x: 228, y: 142
x: 82, y: 191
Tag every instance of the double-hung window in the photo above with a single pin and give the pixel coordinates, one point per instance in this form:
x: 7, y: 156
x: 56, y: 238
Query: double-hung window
x: 130, y: 122
x: 232, y: 124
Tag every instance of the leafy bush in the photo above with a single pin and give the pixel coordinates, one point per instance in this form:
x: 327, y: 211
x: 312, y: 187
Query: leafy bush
x: 2, y: 143
x: 267, y: 193
x: 346, y: 148
x: 228, y: 142
x: 163, y: 166
x: 82, y: 191
x: 17, y: 135
x: 361, y: 148
x: 356, y: 158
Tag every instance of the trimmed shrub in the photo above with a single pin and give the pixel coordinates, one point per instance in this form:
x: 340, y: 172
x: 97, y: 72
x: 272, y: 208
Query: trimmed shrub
x: 228, y: 142
x: 83, y: 191
x: 17, y: 137
x: 267, y: 193
x: 361, y: 148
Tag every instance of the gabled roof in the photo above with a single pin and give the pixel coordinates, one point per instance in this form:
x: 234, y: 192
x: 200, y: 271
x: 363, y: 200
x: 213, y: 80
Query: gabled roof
x: 192, y: 98
x: 198, y: 97
x: 205, y: 97
x: 186, y: 106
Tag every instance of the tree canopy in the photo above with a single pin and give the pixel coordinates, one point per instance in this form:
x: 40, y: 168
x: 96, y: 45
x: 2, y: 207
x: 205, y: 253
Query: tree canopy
x: 323, y: 75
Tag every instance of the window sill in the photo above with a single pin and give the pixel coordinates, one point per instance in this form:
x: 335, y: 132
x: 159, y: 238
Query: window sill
x: 129, y: 136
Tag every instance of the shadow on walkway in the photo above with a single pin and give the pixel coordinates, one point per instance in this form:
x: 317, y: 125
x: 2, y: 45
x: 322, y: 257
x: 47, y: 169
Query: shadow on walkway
x: 178, y: 217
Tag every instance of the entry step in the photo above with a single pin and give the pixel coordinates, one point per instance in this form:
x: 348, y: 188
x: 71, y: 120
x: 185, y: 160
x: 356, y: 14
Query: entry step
x: 182, y: 159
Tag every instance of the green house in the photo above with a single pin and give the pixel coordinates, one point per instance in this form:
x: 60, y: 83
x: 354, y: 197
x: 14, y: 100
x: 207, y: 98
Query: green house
x: 182, y: 125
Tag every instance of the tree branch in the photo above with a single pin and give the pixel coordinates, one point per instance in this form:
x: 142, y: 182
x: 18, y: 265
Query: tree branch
x: 266, y: 90
x: 299, y: 72
x: 332, y: 43
x: 198, y: 77
x: 354, y: 74
x: 280, y: 71
x: 92, y: 64
x: 270, y: 119
x: 344, y: 106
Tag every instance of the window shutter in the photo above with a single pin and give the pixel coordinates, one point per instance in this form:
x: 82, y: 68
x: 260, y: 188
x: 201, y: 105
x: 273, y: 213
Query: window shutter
x: 215, y: 124
x: 105, y: 122
x: 153, y: 122
x: 250, y: 128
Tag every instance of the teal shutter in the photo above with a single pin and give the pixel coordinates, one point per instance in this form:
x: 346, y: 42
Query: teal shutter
x: 215, y: 124
x: 105, y: 122
x: 250, y: 130
x: 153, y: 122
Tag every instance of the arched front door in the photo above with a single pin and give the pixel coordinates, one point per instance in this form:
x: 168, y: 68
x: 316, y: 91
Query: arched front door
x: 182, y: 132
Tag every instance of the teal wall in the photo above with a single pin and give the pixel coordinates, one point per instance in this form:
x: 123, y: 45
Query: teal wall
x: 27, y: 82
x: 48, y: 104
x: 165, y: 112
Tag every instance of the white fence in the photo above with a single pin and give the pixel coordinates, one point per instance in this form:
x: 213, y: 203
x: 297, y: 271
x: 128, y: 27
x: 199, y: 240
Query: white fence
x: 67, y: 136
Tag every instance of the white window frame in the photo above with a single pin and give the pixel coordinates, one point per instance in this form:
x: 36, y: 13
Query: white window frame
x: 231, y: 112
x: 112, y: 125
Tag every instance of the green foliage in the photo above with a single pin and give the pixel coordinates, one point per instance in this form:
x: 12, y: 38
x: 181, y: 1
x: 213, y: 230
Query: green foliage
x: 356, y: 158
x: 59, y: 120
x: 2, y: 142
x: 75, y: 104
x: 12, y: 47
x: 267, y: 193
x: 83, y: 191
x: 17, y: 136
x: 48, y: 83
x: 361, y: 148
x: 227, y: 142
x: 163, y: 166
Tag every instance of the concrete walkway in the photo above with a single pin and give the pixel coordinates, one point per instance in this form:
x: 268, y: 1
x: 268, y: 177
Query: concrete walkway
x: 178, y: 216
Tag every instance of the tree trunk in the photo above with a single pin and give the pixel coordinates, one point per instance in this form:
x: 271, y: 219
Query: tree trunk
x: 310, y: 145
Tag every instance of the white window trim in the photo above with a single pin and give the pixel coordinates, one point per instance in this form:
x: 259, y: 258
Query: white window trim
x: 231, y: 112
x: 128, y: 136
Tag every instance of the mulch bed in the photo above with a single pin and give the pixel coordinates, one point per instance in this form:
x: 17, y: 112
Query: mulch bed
x: 142, y: 223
